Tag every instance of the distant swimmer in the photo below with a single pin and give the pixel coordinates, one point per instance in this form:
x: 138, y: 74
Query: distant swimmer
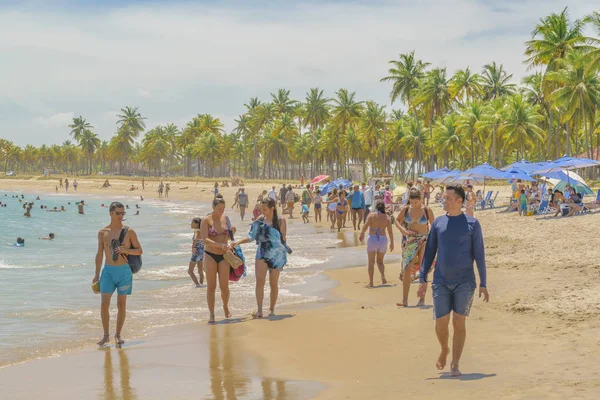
x: 20, y: 242
x: 62, y: 208
x: 49, y: 237
x: 137, y: 206
x: 27, y: 213
x: 116, y: 274
x: 80, y: 206
x: 137, y: 212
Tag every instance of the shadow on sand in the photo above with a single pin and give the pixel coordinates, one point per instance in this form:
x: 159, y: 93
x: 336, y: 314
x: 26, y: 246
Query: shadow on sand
x: 474, y: 376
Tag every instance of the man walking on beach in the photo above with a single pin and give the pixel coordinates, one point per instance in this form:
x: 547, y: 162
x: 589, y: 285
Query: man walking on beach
x: 357, y: 201
x: 273, y: 193
x: 457, y: 240
x: 116, y: 273
x: 243, y: 202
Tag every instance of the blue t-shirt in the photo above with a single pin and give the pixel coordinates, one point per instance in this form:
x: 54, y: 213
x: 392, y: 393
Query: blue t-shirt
x: 457, y: 241
x: 305, y: 208
x: 358, y: 200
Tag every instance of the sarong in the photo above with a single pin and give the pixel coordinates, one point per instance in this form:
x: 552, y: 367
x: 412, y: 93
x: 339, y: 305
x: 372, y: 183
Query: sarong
x: 410, y: 253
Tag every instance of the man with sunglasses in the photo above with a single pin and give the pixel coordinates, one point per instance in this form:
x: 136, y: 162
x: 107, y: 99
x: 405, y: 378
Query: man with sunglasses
x: 116, y: 274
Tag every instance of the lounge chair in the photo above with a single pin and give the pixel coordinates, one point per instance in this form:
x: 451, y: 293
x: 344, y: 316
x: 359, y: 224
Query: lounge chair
x: 482, y: 203
x: 492, y: 202
x: 543, y: 208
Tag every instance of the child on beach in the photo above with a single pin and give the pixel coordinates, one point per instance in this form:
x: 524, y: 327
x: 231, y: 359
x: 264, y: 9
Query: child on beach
x: 522, y: 203
x: 305, y: 212
x: 197, y: 253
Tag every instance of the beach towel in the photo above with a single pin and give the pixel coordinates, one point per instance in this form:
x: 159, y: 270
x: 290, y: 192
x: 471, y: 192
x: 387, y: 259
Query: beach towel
x: 270, y: 247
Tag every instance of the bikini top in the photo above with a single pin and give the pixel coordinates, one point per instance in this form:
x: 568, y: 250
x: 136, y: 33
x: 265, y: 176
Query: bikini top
x: 213, y: 232
x: 340, y: 203
x: 422, y: 221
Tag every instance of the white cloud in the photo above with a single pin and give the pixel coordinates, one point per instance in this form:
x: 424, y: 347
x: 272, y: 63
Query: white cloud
x: 60, y: 120
x: 144, y: 93
x: 179, y: 59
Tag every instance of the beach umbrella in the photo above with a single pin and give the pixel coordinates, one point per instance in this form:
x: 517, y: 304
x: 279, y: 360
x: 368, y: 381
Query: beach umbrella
x: 560, y: 180
x: 319, y: 178
x: 525, y: 165
x: 565, y: 163
x: 463, y: 180
x: 436, y: 174
x: 441, y: 177
x: 335, y: 184
x: 485, y: 171
x: 516, y: 173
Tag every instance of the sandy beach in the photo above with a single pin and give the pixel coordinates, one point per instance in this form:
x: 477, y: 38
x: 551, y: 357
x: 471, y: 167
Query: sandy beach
x: 534, y: 340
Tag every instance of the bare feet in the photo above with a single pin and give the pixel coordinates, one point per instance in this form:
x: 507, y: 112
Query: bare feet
x: 370, y: 285
x: 404, y: 304
x: 441, y: 362
x: 454, y: 370
x: 257, y: 314
x: 226, y: 311
x: 211, y: 320
x: 421, y: 303
x: 383, y: 280
x: 105, y: 339
x: 272, y: 314
x: 118, y: 341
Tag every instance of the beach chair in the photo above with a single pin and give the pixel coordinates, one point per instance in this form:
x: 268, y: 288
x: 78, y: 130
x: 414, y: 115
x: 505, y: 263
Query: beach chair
x: 482, y: 203
x: 492, y: 202
x: 543, y: 208
x: 598, y: 197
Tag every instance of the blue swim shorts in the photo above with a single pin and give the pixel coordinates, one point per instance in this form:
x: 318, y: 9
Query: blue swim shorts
x: 199, y: 256
x: 457, y: 298
x: 116, y: 277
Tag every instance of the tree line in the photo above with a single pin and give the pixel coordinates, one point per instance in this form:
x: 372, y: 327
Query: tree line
x: 456, y: 121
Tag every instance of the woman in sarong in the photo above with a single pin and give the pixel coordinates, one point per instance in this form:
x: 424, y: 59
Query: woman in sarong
x: 269, y: 232
x: 413, y: 221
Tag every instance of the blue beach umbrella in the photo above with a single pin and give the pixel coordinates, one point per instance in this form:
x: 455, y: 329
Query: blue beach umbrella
x: 436, y: 174
x: 561, y: 179
x: 565, y: 163
x: 524, y: 165
x: 516, y: 173
x: 485, y: 171
x: 335, y: 184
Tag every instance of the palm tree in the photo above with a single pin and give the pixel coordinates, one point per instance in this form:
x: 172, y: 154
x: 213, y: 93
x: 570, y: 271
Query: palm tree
x: 89, y: 142
x: 317, y: 114
x: 594, y: 54
x: 447, y: 140
x: 578, y: 93
x: 405, y: 74
x: 521, y: 125
x: 282, y: 102
x: 130, y: 125
x: 346, y: 113
x: 492, y: 120
x: 78, y: 126
x: 466, y: 124
x: 466, y: 85
x: 495, y: 82
x: 372, y: 128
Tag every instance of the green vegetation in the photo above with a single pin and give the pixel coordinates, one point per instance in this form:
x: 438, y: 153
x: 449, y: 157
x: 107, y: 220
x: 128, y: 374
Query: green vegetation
x: 455, y: 121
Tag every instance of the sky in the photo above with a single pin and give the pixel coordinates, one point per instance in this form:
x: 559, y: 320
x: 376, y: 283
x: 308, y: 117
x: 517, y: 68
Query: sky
x: 177, y: 59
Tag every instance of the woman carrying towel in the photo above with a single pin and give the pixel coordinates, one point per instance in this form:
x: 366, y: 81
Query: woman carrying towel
x: 269, y: 232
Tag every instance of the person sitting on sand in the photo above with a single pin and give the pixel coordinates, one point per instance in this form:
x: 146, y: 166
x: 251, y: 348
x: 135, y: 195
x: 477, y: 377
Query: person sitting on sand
x: 378, y: 223
x: 49, y: 237
x: 106, y: 184
x: 413, y: 221
x: 575, y: 204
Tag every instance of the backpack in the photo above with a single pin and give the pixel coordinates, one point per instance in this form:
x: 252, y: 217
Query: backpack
x: 135, y: 262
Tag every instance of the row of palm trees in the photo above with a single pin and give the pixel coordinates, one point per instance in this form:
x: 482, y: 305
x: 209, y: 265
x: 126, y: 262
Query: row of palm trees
x: 455, y: 121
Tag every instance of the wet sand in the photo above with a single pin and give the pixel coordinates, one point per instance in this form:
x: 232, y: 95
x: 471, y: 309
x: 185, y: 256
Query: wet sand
x: 536, y: 339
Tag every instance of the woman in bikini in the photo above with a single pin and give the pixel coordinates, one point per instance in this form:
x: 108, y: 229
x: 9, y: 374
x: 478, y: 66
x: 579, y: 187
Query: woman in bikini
x: 413, y: 221
x: 215, y: 232
x: 332, y: 206
x: 378, y: 223
x: 341, y: 209
x: 317, y: 200
x: 269, y: 232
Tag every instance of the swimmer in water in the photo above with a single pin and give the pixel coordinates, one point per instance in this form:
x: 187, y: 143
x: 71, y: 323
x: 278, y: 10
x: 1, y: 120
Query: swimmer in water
x: 20, y: 242
x: 49, y: 237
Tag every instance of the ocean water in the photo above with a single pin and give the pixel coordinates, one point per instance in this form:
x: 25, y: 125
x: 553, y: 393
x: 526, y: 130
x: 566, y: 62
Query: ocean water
x: 48, y: 306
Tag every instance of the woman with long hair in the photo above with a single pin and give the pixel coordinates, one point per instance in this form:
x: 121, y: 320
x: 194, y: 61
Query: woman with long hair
x: 341, y: 209
x: 269, y: 232
x: 332, y: 206
x: 215, y: 231
x: 413, y: 221
x: 380, y: 228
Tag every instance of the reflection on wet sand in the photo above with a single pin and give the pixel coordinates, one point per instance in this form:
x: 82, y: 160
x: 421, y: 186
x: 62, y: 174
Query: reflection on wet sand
x: 269, y: 393
x: 349, y: 239
x: 228, y: 374
x: 125, y: 392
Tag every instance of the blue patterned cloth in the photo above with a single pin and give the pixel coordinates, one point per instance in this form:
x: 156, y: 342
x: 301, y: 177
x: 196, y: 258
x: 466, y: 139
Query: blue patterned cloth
x: 269, y: 245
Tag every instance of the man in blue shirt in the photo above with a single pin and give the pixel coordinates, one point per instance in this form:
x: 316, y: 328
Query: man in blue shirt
x: 357, y: 204
x: 457, y: 240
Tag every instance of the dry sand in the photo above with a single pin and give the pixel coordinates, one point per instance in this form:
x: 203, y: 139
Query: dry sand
x: 536, y: 339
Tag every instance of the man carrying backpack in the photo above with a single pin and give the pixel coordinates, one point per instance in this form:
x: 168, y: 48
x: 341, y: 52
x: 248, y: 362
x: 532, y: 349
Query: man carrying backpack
x: 243, y: 202
x: 116, y: 274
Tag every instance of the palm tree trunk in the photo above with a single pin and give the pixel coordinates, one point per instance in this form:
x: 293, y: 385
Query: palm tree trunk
x: 549, y: 139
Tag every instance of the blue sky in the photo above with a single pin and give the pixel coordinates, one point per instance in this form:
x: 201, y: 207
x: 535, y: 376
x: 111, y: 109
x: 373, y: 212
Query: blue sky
x: 177, y: 59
